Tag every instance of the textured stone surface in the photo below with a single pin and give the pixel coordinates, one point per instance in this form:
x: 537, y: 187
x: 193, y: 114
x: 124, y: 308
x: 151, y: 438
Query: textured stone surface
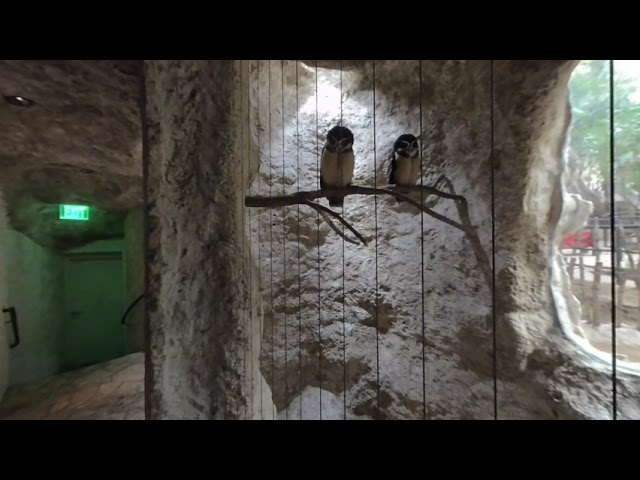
x: 197, y: 266
x: 306, y: 343
x: 79, y: 143
x: 532, y: 118
x: 307, y: 407
x: 359, y: 329
x: 37, y: 216
x: 457, y: 140
x: 108, y: 391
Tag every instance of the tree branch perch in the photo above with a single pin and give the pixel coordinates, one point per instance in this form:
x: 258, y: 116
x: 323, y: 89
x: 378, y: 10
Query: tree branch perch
x: 304, y: 198
x: 462, y: 206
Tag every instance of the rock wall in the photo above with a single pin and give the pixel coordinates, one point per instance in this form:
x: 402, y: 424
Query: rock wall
x: 382, y: 343
x: 403, y: 328
x: 201, y: 308
x: 78, y: 144
x: 346, y: 321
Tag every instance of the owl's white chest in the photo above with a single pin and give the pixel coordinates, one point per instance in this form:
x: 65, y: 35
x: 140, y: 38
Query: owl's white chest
x: 337, y: 170
x: 407, y: 170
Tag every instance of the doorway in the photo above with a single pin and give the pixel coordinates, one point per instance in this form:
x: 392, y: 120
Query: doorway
x: 94, y: 302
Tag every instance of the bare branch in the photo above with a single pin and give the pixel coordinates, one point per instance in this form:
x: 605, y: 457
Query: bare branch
x: 305, y: 198
x: 430, y: 190
x: 326, y: 218
x: 395, y: 192
x: 324, y: 210
x: 297, y: 198
x: 481, y: 256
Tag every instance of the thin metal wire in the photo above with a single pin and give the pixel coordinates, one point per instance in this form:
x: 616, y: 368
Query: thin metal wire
x: 260, y: 231
x: 344, y: 323
x: 318, y: 237
x: 298, y: 240
x: 424, y: 358
x: 375, y: 205
x: 284, y: 258
x: 273, y: 374
x: 244, y: 259
x: 250, y: 253
x: 612, y: 159
x: 149, y: 376
x: 493, y: 251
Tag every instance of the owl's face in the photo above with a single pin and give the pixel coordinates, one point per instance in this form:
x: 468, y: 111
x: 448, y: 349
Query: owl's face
x: 406, y: 146
x: 339, y: 139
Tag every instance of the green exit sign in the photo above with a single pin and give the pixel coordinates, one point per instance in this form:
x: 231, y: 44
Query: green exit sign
x: 74, y: 212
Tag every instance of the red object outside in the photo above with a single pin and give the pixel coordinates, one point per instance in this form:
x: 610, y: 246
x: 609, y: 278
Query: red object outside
x: 584, y: 240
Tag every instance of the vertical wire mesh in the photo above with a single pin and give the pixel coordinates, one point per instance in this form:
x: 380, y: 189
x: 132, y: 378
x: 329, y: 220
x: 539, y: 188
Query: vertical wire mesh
x: 271, y: 215
x: 248, y: 369
x: 260, y: 232
x: 344, y: 323
x: 251, y: 314
x: 375, y: 200
x: 244, y: 241
x: 318, y: 238
x: 424, y: 360
x: 284, y: 255
x: 612, y: 200
x: 298, y: 241
x: 493, y: 248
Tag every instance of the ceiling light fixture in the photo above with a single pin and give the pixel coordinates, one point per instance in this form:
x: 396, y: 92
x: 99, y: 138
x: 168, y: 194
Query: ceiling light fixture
x: 18, y: 101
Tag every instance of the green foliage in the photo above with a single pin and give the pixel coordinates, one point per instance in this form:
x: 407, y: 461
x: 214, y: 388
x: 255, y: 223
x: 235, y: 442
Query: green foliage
x: 590, y: 137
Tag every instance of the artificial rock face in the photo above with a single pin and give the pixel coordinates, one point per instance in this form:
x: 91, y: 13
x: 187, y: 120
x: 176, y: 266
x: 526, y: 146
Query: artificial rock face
x: 401, y: 328
x: 324, y: 326
x: 381, y: 340
x: 200, y: 303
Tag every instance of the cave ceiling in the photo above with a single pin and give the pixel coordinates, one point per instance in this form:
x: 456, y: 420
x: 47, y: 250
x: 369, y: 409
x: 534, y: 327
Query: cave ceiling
x: 80, y: 142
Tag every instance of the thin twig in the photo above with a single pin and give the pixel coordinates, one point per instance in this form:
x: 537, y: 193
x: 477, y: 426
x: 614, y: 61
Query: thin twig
x: 481, y: 256
x: 396, y: 192
x: 322, y: 208
x: 302, y: 199
x: 336, y: 229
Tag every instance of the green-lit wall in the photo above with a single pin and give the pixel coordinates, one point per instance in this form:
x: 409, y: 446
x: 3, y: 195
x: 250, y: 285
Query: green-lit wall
x: 34, y: 277
x: 134, y: 265
x: 35, y: 286
x: 4, y: 342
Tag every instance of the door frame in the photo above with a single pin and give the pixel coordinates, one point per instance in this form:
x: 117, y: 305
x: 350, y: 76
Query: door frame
x: 88, y: 256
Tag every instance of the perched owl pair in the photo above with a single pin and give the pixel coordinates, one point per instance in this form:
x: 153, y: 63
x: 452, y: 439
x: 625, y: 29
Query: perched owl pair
x: 337, y: 162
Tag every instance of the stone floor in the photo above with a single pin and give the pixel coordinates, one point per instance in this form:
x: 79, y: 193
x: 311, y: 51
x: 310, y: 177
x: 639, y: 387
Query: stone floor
x: 108, y: 391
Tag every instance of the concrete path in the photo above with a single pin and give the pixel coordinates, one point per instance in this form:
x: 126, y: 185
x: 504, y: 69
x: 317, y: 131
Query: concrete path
x: 108, y: 391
